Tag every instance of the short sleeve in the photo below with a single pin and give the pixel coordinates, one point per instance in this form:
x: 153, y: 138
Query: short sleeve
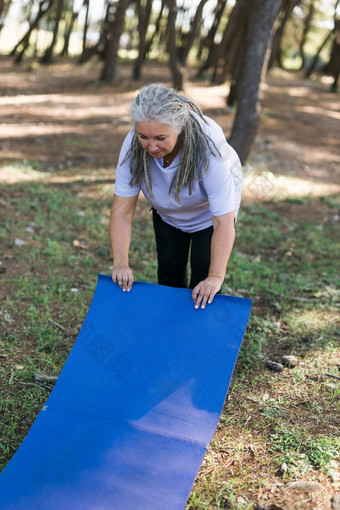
x: 223, y: 181
x: 123, y: 173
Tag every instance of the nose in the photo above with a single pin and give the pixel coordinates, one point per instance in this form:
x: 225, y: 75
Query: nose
x: 152, y: 146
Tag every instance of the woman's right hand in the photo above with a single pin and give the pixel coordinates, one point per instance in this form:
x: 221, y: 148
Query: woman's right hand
x: 122, y: 275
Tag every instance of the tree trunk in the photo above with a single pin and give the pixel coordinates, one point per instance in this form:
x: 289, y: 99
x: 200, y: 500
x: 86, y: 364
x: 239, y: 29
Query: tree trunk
x: 44, y: 6
x: 68, y: 31
x: 115, y: 30
x: 194, y: 31
x: 324, y: 42
x: 233, y: 60
x: 276, y: 55
x: 144, y: 13
x: 208, y: 42
x: 306, y: 28
x: 316, y: 56
x: 4, y: 8
x: 156, y: 31
x: 48, y: 55
x: 86, y: 4
x: 245, y: 126
x: 333, y: 66
x: 237, y: 67
x: 240, y: 9
x: 175, y: 66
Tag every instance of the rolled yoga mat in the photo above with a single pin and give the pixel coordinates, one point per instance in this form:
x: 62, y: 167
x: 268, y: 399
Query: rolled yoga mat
x: 135, y: 406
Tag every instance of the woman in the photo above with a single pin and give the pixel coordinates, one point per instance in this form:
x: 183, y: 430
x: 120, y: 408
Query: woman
x: 192, y: 179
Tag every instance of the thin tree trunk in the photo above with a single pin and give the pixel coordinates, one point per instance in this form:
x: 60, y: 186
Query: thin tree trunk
x: 208, y: 42
x: 156, y: 31
x: 68, y: 32
x: 44, y: 6
x: 241, y: 7
x: 306, y: 28
x: 333, y: 66
x: 115, y: 30
x: 48, y: 55
x: 276, y: 55
x: 245, y: 126
x: 4, y: 8
x: 317, y: 54
x: 144, y: 13
x: 175, y: 66
x: 233, y: 60
x: 237, y: 66
x: 195, y: 26
x: 86, y: 4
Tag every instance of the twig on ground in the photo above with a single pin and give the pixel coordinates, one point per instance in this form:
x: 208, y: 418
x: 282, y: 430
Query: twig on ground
x: 45, y: 378
x: 56, y: 324
x: 334, y: 376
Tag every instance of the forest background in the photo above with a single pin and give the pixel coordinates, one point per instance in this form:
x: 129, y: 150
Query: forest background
x: 267, y: 71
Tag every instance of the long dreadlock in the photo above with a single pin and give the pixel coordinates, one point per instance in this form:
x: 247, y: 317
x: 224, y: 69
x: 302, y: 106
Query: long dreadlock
x: 164, y: 105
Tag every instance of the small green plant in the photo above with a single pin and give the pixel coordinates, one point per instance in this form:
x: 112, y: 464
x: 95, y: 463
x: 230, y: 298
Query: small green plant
x: 305, y: 450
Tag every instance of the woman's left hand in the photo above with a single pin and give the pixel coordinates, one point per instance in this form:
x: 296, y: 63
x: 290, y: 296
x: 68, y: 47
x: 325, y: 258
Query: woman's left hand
x: 205, y: 291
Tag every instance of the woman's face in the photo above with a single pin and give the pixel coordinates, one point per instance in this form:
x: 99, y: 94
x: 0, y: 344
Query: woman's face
x: 157, y: 139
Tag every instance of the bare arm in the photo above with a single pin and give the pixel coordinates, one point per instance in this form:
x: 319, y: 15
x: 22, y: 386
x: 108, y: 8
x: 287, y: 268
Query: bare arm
x: 122, y: 212
x: 221, y: 245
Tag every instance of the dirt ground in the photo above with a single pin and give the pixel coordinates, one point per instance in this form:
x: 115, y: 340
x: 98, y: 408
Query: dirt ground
x: 62, y: 118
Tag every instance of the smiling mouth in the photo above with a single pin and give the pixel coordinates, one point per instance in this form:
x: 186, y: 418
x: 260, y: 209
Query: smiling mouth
x: 155, y: 153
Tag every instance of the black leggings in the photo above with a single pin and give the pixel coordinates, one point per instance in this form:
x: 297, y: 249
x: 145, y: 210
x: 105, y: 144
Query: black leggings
x: 173, y: 253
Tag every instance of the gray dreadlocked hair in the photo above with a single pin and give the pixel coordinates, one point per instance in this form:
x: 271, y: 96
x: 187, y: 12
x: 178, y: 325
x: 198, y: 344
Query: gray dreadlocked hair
x: 162, y: 104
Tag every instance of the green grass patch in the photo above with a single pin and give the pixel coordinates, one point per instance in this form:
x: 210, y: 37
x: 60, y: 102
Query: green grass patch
x: 304, y: 452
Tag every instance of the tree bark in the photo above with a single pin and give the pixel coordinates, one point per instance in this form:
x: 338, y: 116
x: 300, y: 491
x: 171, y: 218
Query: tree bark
x: 193, y: 33
x: 208, y: 42
x: 306, y: 28
x: 68, y: 31
x: 48, y: 55
x: 245, y: 126
x: 44, y: 6
x: 233, y: 60
x: 276, y: 55
x: 240, y: 9
x: 156, y: 31
x: 324, y: 42
x: 4, y: 8
x: 86, y: 4
x: 115, y: 30
x: 175, y: 66
x: 316, y: 56
x: 333, y: 66
x: 144, y: 13
x: 237, y: 67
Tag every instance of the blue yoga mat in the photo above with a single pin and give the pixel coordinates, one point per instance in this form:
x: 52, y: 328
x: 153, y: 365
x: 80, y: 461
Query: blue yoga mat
x: 135, y: 406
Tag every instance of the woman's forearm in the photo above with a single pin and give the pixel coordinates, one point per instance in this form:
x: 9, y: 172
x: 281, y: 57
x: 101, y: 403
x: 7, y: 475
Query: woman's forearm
x: 122, y: 212
x: 222, y: 242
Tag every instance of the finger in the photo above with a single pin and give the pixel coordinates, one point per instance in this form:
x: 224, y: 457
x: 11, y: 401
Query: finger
x: 119, y: 279
x: 195, y: 292
x: 125, y: 279
x: 130, y: 283
x: 199, y: 298
x: 211, y: 296
x: 205, y: 296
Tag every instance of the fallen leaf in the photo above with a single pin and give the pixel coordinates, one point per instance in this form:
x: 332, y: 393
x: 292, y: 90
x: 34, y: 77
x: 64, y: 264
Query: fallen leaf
x: 78, y: 244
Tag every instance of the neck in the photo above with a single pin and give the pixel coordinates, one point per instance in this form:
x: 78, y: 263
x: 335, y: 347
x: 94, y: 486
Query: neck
x: 168, y: 158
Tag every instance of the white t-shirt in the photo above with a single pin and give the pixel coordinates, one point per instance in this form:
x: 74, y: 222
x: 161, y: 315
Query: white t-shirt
x: 217, y: 192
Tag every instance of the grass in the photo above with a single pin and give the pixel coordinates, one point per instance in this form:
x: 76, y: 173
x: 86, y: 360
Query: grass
x: 285, y: 262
